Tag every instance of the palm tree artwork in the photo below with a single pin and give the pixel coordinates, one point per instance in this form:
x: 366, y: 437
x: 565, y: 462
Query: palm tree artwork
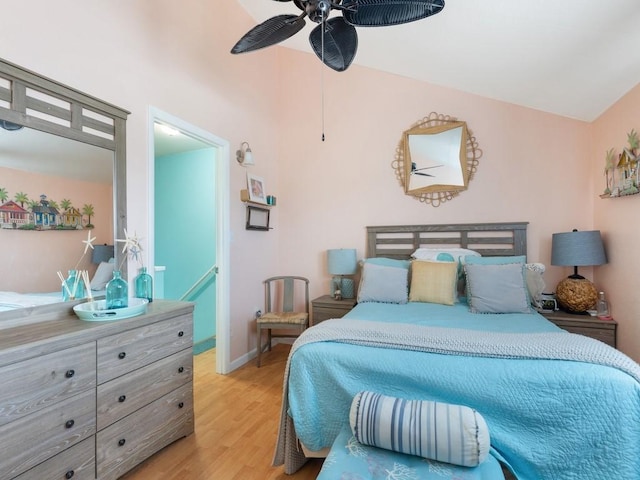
x: 4, y: 195
x: 87, y: 209
x: 21, y: 198
x: 610, y: 166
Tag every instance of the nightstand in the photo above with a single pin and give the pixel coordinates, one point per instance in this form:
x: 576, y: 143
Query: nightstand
x: 326, y: 307
x: 603, y: 330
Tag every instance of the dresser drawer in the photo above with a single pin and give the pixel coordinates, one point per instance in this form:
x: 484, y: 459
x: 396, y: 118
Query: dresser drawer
x: 77, y: 462
x: 37, y: 437
x: 136, y: 437
x: 126, y: 394
x: 43, y: 381
x: 127, y: 351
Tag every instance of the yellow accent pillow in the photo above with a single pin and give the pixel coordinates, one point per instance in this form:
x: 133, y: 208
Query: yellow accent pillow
x: 433, y: 282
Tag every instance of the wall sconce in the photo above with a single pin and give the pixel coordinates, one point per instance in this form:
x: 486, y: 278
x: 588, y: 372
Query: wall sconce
x: 245, y: 156
x: 577, y: 249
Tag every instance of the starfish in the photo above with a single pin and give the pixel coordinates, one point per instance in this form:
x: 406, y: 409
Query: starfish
x: 131, y: 244
x: 88, y: 242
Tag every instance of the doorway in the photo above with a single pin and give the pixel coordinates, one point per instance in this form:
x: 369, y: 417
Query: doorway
x: 190, y: 203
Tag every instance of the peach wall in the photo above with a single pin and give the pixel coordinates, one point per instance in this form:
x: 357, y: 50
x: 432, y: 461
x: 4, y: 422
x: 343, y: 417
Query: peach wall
x: 617, y: 218
x: 535, y: 166
x: 31, y: 259
x: 173, y: 56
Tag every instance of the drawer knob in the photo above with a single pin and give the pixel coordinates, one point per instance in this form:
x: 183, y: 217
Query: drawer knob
x: 121, y: 442
x: 181, y: 333
x: 122, y: 398
x: 69, y: 474
x: 121, y: 355
x: 70, y: 373
x: 69, y: 424
x: 181, y: 369
x: 181, y: 404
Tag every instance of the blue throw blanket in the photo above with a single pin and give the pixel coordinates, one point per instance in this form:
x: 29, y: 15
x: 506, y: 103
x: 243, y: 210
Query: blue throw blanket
x: 558, y: 405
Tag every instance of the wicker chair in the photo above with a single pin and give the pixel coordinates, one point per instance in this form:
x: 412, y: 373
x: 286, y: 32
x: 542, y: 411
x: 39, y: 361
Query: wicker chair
x: 282, y: 311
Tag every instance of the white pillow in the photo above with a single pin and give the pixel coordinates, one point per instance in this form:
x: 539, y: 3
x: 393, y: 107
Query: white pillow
x: 458, y: 254
x: 103, y: 274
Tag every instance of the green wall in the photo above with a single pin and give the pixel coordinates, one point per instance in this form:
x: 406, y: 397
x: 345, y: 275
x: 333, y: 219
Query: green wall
x: 185, y: 231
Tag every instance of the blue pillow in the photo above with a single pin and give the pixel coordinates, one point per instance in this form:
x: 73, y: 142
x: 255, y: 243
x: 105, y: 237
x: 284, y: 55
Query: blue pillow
x: 439, y: 431
x: 497, y: 288
x: 388, y: 262
x: 383, y: 283
x: 495, y: 260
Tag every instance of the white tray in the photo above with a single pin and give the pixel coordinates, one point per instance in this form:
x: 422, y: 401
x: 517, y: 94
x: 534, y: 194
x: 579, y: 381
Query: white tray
x: 96, y: 311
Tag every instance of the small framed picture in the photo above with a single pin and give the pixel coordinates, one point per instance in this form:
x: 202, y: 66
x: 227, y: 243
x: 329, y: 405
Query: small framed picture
x: 257, y: 218
x: 255, y: 185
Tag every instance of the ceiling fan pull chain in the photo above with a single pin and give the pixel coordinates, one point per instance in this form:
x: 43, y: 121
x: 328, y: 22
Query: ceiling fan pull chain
x: 322, y: 74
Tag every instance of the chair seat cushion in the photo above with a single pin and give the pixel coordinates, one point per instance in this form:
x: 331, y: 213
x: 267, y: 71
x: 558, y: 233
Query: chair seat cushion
x: 350, y: 459
x: 294, y: 318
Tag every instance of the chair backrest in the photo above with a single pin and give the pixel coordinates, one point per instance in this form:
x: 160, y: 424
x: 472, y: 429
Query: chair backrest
x: 281, y: 293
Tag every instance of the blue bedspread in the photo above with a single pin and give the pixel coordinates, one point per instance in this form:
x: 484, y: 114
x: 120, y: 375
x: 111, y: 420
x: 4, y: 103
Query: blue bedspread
x: 548, y: 419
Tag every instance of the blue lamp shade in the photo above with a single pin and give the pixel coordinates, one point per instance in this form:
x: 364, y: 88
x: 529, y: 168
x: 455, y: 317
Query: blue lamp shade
x: 342, y: 261
x: 577, y: 249
x: 102, y: 253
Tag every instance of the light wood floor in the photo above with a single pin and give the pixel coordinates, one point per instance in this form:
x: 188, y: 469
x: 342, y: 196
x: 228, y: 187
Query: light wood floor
x: 236, y: 424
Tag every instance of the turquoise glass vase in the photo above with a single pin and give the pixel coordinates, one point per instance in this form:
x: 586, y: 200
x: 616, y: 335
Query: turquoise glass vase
x: 144, y: 285
x: 73, y: 287
x: 117, y: 292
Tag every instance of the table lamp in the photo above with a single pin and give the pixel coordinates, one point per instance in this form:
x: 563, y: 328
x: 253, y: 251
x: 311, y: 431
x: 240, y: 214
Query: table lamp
x: 575, y: 249
x: 342, y: 261
x: 102, y: 253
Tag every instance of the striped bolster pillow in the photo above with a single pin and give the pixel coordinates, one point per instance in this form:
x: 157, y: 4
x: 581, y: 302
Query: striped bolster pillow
x: 439, y: 431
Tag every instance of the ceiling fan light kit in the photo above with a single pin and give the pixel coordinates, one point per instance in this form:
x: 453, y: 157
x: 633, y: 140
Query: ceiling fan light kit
x: 335, y: 40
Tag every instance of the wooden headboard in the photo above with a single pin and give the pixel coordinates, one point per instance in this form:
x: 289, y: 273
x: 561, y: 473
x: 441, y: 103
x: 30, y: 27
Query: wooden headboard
x: 488, y: 239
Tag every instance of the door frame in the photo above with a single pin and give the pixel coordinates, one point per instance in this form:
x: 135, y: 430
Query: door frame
x: 223, y: 339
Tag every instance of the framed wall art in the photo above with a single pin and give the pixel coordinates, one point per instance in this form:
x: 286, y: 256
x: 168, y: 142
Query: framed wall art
x: 257, y: 218
x: 255, y: 185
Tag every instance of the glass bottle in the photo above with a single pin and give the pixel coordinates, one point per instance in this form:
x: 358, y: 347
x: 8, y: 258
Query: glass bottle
x: 144, y: 285
x: 117, y: 292
x: 73, y: 287
x: 602, y: 306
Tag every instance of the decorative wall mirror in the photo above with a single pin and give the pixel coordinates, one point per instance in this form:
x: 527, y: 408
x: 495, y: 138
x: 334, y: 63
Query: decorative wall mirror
x: 54, y: 118
x: 436, y: 159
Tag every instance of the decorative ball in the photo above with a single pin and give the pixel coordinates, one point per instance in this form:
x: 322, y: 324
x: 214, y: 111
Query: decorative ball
x: 576, y: 295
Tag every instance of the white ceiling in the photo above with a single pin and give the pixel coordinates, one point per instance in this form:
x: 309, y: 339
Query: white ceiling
x: 570, y: 57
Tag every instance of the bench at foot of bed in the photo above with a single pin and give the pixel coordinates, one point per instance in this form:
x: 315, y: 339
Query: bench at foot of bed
x: 350, y: 459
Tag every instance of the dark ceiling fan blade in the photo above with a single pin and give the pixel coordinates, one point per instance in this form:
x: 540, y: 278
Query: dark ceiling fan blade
x: 383, y: 13
x: 340, y: 43
x: 268, y: 33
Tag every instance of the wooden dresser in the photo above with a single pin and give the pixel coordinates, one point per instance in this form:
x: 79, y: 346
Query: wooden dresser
x: 88, y: 400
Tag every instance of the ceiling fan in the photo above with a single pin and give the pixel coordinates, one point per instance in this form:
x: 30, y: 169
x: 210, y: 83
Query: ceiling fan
x: 335, y: 40
x: 417, y: 171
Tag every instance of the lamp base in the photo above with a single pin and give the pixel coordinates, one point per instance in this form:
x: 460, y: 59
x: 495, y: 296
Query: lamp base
x: 576, y: 295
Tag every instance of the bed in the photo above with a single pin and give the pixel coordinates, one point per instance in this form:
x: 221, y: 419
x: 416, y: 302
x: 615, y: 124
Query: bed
x: 14, y: 300
x: 558, y: 405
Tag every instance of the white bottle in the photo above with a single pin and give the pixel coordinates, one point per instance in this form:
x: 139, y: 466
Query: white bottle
x: 602, y: 306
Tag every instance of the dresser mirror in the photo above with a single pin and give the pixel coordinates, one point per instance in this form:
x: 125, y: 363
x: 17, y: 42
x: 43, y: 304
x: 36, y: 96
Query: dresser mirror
x: 436, y: 159
x: 50, y: 130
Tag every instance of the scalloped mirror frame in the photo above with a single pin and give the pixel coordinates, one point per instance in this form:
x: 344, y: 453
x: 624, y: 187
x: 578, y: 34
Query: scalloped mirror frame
x: 457, y: 180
